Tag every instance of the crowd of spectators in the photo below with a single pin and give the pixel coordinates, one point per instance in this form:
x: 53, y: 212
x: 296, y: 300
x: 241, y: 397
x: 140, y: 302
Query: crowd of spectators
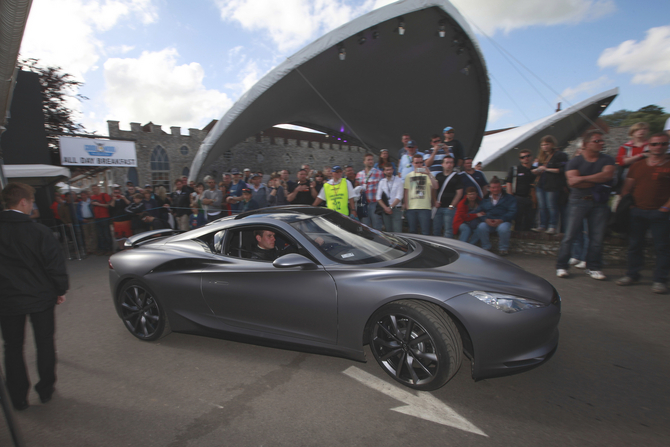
x: 437, y: 192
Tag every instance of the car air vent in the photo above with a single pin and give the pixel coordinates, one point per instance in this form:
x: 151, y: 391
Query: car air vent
x: 432, y: 256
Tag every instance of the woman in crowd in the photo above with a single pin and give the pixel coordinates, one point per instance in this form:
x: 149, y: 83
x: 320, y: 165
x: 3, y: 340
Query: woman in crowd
x: 551, y: 184
x: 465, y: 221
x: 384, y: 159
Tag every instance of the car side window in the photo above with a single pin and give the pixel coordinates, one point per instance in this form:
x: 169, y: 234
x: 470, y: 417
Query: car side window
x: 242, y: 243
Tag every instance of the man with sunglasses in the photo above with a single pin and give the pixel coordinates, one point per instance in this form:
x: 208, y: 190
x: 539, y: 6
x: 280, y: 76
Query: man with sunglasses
x: 519, y: 182
x: 589, y: 177
x: 648, y: 181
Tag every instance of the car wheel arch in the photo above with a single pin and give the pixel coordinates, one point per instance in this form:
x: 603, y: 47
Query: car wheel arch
x: 468, y: 347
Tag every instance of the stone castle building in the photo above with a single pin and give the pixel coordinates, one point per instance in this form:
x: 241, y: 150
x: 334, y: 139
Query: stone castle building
x: 163, y: 157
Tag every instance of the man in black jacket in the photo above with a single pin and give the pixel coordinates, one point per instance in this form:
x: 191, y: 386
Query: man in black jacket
x: 33, y: 279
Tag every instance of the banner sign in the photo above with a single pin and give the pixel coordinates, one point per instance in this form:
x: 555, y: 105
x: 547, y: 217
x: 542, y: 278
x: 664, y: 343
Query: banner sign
x: 80, y: 151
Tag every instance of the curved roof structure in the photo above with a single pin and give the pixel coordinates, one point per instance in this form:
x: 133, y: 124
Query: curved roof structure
x: 390, y: 81
x: 499, y: 150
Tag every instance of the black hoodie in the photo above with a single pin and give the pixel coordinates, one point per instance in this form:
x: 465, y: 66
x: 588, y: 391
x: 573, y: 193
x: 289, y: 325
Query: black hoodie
x: 32, y: 267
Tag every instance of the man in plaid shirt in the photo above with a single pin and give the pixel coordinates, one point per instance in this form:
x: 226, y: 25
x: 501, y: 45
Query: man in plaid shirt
x: 369, y: 179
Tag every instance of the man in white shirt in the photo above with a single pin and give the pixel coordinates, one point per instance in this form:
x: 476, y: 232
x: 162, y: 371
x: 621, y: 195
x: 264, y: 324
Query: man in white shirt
x: 392, y: 189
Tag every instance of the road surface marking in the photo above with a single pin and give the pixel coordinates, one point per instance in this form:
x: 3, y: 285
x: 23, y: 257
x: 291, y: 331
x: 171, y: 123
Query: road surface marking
x: 423, y: 405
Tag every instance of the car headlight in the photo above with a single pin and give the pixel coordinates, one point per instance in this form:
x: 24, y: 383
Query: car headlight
x: 505, y: 302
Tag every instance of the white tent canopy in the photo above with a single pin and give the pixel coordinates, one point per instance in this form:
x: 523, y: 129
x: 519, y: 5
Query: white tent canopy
x: 412, y: 66
x: 38, y: 175
x: 499, y: 151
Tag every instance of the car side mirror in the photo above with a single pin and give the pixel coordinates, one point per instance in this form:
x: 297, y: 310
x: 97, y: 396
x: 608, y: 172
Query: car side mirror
x: 294, y: 260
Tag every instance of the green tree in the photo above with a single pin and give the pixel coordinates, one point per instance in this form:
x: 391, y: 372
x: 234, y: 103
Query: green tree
x: 652, y: 114
x: 616, y: 118
x: 57, y: 88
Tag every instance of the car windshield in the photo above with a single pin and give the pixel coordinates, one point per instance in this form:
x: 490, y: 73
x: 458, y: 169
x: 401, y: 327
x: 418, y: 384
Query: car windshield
x: 347, y: 241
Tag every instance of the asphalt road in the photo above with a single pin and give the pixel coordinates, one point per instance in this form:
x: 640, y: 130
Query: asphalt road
x: 607, y: 384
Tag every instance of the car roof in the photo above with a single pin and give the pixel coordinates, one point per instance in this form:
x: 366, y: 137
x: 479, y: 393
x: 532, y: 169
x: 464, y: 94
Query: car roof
x: 289, y: 213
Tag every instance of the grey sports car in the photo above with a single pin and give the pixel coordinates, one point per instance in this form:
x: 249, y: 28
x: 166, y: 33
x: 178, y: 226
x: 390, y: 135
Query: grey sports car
x: 312, y: 279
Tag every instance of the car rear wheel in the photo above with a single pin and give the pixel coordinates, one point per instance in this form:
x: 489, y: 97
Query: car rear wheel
x: 416, y: 343
x: 141, y: 312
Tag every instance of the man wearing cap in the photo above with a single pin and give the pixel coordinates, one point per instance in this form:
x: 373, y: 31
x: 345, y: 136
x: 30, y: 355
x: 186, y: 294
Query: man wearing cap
x: 455, y: 146
x: 471, y: 177
x: 248, y: 203
x: 236, y: 187
x: 369, y: 179
x: 338, y: 194
x: 406, y: 166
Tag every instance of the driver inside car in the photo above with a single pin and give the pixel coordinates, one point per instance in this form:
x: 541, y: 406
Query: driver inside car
x: 265, y: 248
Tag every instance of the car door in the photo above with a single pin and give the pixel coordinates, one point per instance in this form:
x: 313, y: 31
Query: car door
x: 253, y: 295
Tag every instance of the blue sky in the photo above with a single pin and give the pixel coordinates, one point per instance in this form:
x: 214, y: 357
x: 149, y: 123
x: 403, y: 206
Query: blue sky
x: 179, y: 63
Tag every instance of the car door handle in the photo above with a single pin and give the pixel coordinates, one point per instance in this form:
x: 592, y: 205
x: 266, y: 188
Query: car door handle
x: 221, y: 283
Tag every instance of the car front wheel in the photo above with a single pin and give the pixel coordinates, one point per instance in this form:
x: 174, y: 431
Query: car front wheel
x: 416, y: 343
x: 141, y: 312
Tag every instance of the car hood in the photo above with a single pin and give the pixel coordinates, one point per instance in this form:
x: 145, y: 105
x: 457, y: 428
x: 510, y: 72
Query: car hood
x: 478, y: 269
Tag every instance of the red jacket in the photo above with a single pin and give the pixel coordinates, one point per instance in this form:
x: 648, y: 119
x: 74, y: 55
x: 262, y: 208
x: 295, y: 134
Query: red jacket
x: 463, y: 214
x: 100, y: 212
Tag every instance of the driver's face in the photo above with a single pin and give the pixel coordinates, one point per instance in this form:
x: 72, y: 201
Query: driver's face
x: 267, y: 241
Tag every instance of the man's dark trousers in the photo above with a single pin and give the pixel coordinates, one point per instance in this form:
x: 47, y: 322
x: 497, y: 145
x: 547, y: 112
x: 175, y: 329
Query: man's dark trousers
x: 13, y: 333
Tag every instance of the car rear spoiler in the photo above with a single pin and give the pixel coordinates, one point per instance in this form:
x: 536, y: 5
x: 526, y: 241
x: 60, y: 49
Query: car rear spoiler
x: 141, y: 238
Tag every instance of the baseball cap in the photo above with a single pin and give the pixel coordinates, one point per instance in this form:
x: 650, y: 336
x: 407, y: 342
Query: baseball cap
x: 247, y: 170
x: 383, y: 150
x: 336, y: 168
x: 246, y: 190
x: 447, y: 129
x: 255, y: 175
x: 234, y: 171
x: 411, y: 143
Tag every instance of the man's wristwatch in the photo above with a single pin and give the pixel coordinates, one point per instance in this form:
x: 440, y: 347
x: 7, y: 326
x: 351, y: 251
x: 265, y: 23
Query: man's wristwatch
x: 451, y: 207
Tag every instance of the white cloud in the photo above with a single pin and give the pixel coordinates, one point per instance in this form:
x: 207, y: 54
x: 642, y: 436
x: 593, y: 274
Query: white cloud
x: 587, y: 87
x: 63, y: 32
x: 292, y: 23
x: 248, y: 76
x: 495, y: 113
x: 506, y: 15
x: 648, y: 60
x: 154, y: 88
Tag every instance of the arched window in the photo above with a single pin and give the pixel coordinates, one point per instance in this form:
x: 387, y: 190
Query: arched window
x: 160, y: 168
x: 184, y: 150
x: 185, y: 171
x: 132, y: 176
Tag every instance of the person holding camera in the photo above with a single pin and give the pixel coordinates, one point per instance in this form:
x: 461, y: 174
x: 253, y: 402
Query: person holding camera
x: 420, y: 186
x: 300, y: 192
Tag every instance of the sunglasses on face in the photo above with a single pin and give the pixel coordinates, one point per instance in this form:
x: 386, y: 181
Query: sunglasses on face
x: 659, y: 144
x: 524, y: 156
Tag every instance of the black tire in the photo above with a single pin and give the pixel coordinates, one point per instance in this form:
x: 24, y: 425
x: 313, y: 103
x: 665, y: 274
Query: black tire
x: 416, y: 343
x: 141, y: 312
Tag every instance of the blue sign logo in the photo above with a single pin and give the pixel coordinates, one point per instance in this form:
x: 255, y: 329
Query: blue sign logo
x: 99, y: 150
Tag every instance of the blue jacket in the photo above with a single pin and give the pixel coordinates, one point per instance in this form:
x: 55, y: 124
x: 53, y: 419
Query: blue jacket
x: 505, y: 209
